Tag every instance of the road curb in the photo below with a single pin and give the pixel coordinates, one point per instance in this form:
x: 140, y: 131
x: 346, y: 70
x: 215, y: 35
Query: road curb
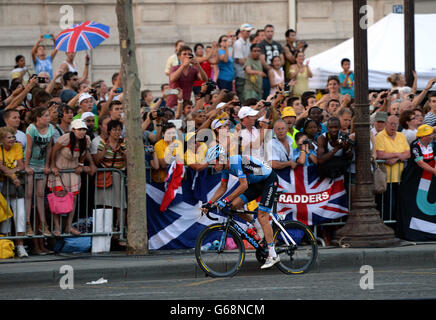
x: 180, y: 266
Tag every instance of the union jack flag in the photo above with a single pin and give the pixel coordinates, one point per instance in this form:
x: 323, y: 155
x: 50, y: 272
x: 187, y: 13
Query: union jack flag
x: 84, y: 36
x: 310, y: 199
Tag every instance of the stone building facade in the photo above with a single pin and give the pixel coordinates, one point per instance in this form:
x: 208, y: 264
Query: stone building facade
x: 159, y: 23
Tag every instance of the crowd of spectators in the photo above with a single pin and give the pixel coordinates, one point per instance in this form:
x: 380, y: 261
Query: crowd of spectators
x: 248, y: 90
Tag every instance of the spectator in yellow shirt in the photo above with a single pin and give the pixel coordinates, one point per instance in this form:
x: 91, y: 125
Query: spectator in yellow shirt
x: 167, y: 150
x: 195, y: 152
x: 392, y: 146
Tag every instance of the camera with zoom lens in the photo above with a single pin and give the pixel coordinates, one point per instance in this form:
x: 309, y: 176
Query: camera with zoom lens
x: 211, y: 86
x: 343, y: 137
x: 307, y: 141
x: 159, y: 114
x: 305, y: 44
x: 286, y: 90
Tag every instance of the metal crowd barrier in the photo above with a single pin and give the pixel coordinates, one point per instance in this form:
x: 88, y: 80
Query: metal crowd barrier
x: 88, y: 188
x: 389, y: 190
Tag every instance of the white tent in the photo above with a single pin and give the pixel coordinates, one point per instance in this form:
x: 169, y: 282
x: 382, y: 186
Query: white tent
x: 385, y: 52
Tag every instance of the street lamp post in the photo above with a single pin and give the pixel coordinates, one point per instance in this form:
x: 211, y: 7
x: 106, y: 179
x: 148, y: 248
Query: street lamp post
x: 364, y: 226
x: 409, y: 40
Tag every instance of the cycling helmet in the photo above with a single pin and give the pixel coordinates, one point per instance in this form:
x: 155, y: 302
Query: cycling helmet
x: 214, y: 152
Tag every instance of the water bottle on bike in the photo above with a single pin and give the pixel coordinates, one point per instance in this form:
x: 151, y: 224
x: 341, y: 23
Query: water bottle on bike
x: 253, y: 234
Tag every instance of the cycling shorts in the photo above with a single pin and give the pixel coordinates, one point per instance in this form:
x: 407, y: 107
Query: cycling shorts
x: 265, y: 189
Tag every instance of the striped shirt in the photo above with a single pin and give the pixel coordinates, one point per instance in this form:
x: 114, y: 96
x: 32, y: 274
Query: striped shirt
x: 112, y: 159
x: 430, y: 119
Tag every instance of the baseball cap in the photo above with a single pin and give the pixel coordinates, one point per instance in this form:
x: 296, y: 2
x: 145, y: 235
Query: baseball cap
x: 288, y: 112
x: 217, y: 123
x: 424, y: 130
x: 381, y: 116
x: 78, y: 124
x: 220, y: 105
x: 86, y: 115
x: 246, y: 111
x: 246, y: 27
x: 84, y: 96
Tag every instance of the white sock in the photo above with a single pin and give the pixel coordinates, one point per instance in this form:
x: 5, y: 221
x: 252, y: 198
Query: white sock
x: 271, y: 250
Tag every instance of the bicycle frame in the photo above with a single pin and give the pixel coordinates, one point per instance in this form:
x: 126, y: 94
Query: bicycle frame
x: 245, y: 236
x: 242, y: 233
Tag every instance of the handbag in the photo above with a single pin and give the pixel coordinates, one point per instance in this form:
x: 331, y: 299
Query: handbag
x: 380, y: 175
x: 61, y: 202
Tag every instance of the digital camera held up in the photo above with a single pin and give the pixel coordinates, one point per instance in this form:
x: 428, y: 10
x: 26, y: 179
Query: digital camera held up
x: 344, y: 137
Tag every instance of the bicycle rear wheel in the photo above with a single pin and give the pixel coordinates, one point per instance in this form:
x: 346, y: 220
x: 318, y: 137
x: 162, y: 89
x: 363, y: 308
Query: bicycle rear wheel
x: 296, y: 258
x: 224, y: 262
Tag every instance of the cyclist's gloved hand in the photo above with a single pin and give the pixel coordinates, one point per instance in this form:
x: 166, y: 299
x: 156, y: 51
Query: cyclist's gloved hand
x: 207, y: 206
x: 223, y: 203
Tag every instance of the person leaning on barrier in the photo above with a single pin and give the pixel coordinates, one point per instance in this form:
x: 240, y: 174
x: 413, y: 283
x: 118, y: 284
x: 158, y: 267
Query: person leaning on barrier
x: 37, y: 159
x: 11, y: 163
x: 282, y: 151
x: 12, y: 120
x: 421, y: 164
x: 70, y: 152
x: 392, y: 146
x: 112, y: 154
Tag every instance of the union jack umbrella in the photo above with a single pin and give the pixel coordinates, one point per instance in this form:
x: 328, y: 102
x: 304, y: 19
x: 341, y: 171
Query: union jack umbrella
x: 84, y: 36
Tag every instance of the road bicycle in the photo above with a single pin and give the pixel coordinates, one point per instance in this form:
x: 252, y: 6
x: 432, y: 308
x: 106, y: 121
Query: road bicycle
x: 220, y: 249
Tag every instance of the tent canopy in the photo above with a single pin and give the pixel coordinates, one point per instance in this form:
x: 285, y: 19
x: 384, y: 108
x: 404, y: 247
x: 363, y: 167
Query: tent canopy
x: 385, y: 53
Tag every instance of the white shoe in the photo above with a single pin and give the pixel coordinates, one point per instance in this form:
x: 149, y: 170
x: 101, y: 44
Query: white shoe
x: 21, y: 252
x: 270, y: 261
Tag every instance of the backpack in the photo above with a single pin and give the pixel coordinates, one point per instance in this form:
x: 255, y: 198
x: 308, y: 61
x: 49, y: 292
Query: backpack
x: 71, y: 245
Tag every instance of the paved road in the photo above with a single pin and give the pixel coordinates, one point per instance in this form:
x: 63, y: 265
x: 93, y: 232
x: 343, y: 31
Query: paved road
x: 405, y: 283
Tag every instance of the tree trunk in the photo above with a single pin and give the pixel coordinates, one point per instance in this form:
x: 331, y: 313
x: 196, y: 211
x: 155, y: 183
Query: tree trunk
x: 364, y: 226
x: 137, y: 239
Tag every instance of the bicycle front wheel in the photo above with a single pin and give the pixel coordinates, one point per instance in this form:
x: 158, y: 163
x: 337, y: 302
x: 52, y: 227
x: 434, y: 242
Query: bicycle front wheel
x: 219, y: 254
x: 299, y: 257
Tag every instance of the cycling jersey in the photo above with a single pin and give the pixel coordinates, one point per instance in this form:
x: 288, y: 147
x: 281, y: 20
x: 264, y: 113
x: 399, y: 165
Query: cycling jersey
x: 247, y: 167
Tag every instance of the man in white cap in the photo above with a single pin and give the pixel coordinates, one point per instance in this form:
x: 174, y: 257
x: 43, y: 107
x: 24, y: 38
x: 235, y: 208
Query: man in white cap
x: 252, y: 138
x: 89, y: 119
x: 241, y: 50
x: 85, y: 104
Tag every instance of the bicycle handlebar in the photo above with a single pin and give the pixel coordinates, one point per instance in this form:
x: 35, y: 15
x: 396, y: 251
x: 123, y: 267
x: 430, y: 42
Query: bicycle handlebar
x: 207, y: 215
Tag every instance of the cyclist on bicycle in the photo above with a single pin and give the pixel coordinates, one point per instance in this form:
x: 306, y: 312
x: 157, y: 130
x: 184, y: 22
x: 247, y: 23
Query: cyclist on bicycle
x: 255, y: 179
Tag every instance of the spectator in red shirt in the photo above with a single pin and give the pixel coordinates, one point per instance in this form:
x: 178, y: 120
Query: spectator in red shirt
x: 184, y: 75
x: 204, y: 60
